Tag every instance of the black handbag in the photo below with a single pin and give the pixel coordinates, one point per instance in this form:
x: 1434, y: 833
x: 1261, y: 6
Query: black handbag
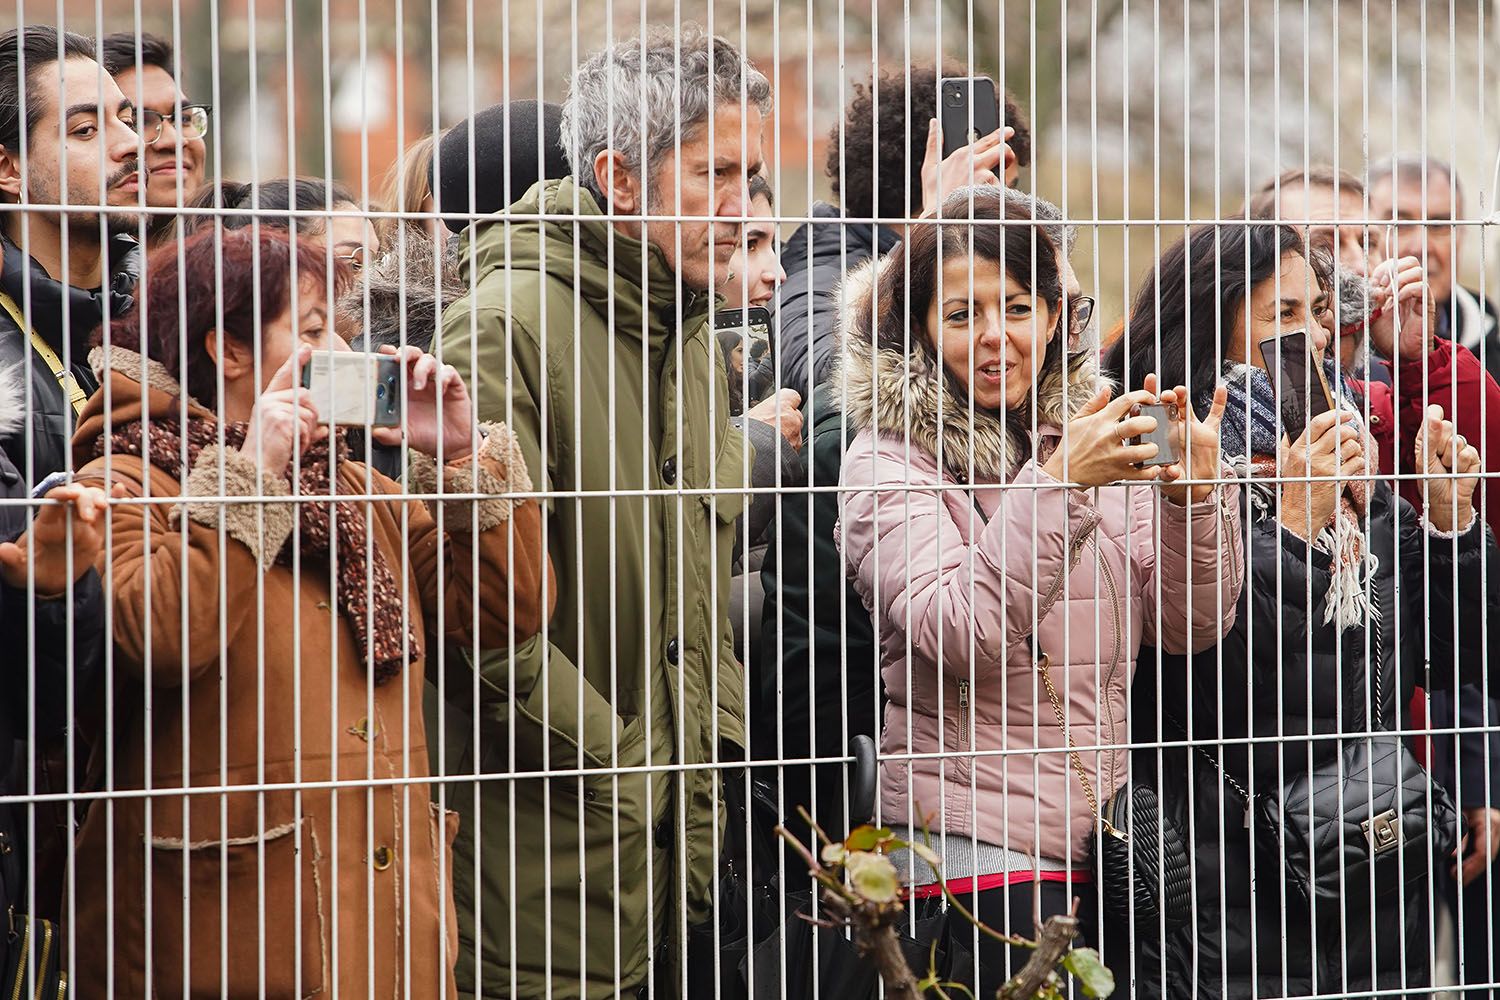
x: 1363, y: 823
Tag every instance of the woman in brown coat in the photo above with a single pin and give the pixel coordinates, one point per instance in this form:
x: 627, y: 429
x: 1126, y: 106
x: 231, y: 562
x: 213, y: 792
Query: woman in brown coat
x: 271, y: 655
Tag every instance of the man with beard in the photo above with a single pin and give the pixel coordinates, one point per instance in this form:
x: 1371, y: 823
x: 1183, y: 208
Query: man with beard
x: 68, y: 146
x: 588, y: 330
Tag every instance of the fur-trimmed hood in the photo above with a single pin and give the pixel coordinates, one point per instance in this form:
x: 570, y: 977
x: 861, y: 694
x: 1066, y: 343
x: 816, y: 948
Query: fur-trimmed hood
x: 899, y: 393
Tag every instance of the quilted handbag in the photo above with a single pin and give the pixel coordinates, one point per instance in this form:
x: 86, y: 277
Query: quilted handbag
x: 1367, y: 817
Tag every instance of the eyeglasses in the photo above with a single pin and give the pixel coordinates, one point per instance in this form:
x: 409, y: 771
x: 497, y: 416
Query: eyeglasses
x: 191, y: 123
x: 354, y: 258
x: 1082, y: 315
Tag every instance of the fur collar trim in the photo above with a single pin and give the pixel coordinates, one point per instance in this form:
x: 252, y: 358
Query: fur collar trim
x: 898, y: 394
x: 134, y: 365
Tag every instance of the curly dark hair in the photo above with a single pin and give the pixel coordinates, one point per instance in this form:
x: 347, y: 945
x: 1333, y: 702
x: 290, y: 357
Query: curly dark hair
x: 852, y: 168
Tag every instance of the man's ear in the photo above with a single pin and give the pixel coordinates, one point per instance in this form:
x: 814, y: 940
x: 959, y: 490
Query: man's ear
x: 12, y: 181
x: 233, y: 358
x: 620, y: 184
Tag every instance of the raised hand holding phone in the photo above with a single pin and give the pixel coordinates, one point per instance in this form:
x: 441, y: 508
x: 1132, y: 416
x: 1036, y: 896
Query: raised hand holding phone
x: 1097, y: 446
x: 1194, y: 443
x: 968, y: 166
x: 438, y: 413
x: 284, y: 419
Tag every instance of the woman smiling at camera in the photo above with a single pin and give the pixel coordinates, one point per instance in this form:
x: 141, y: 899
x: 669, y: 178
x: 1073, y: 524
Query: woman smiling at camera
x: 1013, y: 506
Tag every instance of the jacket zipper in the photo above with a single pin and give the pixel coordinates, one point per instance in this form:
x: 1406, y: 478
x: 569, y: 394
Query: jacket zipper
x: 1114, y: 659
x: 23, y: 947
x: 1074, y: 547
x: 963, y: 715
x: 1234, y: 554
x: 46, y: 954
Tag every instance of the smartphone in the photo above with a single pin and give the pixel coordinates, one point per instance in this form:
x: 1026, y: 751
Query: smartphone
x: 754, y: 322
x: 1301, y: 391
x: 1166, y: 415
x: 350, y: 388
x: 968, y: 110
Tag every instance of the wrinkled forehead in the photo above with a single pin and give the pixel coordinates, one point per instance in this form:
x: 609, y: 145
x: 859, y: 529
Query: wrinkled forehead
x: 1406, y: 193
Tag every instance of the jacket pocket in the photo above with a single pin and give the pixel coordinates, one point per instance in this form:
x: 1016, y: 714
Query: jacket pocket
x: 199, y: 887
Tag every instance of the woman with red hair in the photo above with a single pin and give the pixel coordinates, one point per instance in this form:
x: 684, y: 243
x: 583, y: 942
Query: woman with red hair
x: 271, y: 630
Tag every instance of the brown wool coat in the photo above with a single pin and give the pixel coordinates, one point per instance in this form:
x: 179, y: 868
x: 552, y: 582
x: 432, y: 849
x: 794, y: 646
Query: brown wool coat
x: 229, y: 670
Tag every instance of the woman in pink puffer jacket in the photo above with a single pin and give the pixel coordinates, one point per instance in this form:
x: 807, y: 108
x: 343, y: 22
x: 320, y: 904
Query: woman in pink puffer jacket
x: 971, y: 415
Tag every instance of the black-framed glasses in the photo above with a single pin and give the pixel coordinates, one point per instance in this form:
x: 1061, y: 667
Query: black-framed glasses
x: 191, y: 123
x: 1082, y: 314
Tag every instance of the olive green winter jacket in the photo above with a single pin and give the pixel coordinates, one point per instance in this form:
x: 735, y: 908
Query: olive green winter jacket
x: 575, y: 335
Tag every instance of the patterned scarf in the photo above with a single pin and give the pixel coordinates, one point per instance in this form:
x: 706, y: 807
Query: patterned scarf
x: 359, y: 569
x: 1252, y: 445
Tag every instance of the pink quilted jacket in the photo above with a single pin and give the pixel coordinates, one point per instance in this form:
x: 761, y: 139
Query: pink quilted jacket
x: 954, y: 577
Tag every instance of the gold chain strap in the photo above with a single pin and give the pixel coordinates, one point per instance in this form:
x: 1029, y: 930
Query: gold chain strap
x: 1044, y: 668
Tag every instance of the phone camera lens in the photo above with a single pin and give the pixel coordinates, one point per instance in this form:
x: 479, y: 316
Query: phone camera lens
x: 380, y: 391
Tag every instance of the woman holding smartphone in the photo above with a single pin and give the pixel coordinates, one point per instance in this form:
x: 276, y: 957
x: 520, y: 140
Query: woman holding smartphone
x: 1349, y: 591
x: 995, y: 510
x: 279, y: 645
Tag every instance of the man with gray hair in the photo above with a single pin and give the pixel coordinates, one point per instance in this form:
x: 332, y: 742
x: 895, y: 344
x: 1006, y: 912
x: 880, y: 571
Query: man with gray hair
x: 1423, y: 197
x: 587, y: 331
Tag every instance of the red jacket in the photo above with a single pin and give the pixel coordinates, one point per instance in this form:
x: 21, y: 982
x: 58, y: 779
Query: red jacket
x: 1456, y: 381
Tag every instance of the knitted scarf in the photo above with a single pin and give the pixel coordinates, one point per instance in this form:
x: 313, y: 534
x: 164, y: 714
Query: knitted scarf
x: 1250, y: 435
x: 360, y: 569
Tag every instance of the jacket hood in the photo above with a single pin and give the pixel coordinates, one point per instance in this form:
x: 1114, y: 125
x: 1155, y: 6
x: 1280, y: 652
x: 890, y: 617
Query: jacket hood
x: 584, y: 249
x: 898, y: 393
x: 829, y: 237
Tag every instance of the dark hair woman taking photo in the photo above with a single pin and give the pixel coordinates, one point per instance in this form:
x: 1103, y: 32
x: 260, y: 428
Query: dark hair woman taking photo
x: 1312, y: 856
x: 279, y: 644
x: 965, y: 540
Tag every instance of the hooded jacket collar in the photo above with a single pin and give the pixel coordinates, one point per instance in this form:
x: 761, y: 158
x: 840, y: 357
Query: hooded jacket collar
x: 585, y: 250
x: 895, y: 393
x: 21, y: 275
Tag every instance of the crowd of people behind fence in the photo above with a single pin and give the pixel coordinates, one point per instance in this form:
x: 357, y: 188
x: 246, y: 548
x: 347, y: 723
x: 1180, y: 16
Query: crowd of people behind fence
x: 1128, y: 629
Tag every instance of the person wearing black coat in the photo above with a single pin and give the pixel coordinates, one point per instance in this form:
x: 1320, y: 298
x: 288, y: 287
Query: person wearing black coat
x: 44, y: 602
x: 1330, y: 638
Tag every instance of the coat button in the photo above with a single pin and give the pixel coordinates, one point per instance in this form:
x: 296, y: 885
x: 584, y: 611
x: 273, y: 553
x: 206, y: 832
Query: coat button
x: 383, y: 857
x: 669, y: 471
x: 663, y: 833
x: 589, y: 795
x: 672, y: 652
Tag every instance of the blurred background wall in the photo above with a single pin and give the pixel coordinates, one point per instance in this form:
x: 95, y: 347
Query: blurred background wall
x: 1145, y: 112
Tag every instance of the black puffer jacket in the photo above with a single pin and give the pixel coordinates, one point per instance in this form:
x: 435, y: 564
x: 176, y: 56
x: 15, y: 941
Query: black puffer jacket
x: 1262, y: 682
x: 50, y: 424
x: 815, y: 259
x: 34, y: 674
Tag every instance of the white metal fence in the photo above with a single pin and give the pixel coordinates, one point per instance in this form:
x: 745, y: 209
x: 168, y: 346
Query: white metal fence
x: 505, y: 686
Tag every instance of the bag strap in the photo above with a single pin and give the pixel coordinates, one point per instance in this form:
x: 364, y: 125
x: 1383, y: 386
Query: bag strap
x: 1044, y: 670
x: 76, y: 396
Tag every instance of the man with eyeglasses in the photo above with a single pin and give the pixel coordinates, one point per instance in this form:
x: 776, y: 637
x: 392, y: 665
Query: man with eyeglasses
x: 172, y: 128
